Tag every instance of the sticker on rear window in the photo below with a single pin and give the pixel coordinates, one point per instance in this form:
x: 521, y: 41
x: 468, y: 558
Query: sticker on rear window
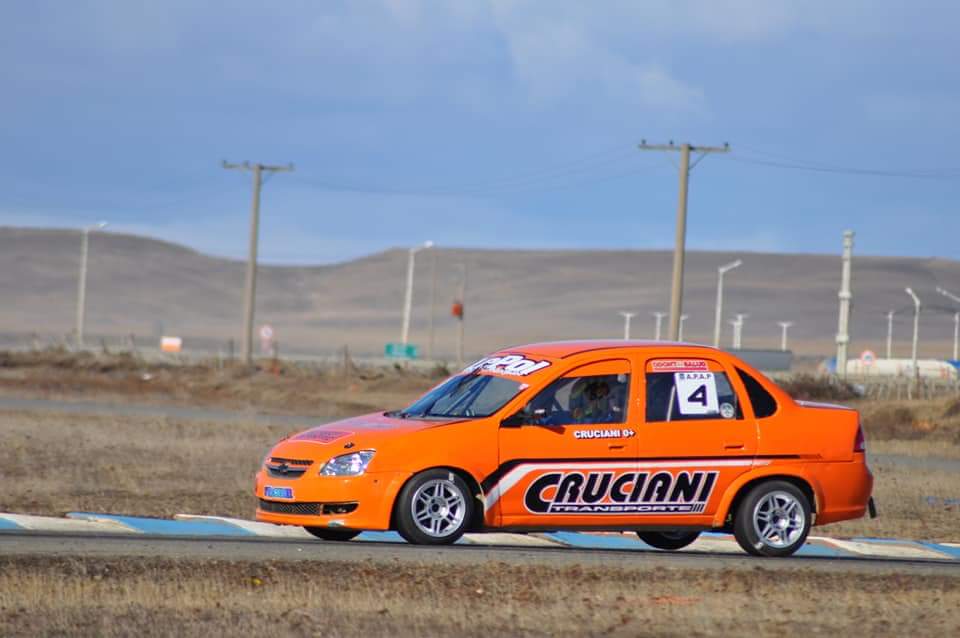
x: 512, y: 365
x: 679, y: 365
x: 696, y: 392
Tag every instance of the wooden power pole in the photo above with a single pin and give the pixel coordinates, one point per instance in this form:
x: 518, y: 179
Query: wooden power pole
x: 676, y: 289
x: 250, y: 289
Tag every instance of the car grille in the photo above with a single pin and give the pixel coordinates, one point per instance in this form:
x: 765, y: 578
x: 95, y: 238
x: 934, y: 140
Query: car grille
x: 306, y: 509
x: 287, y: 468
x: 303, y: 509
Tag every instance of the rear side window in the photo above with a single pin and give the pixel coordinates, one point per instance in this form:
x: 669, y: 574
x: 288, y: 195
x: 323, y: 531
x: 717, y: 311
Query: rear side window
x: 690, y: 395
x: 763, y: 403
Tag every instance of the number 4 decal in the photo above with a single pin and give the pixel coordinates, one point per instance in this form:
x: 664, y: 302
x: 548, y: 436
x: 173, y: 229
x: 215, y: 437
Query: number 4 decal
x: 699, y: 396
x: 696, y: 392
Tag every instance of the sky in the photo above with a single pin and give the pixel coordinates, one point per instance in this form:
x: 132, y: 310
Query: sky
x: 486, y: 123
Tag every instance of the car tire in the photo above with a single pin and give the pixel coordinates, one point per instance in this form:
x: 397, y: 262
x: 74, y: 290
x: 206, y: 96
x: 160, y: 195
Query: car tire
x: 435, y: 507
x: 668, y: 540
x: 773, y: 520
x: 332, y: 533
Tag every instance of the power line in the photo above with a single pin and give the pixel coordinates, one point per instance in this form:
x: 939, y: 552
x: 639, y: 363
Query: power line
x: 847, y: 170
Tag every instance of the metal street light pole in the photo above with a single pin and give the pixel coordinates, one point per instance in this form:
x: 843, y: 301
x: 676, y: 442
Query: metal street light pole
x: 408, y: 298
x: 680, y: 334
x: 659, y: 317
x: 784, y: 326
x: 82, y: 280
x: 735, y: 336
x: 738, y: 330
x: 721, y: 271
x: 889, y: 332
x: 956, y: 319
x: 627, y: 316
x: 916, y: 329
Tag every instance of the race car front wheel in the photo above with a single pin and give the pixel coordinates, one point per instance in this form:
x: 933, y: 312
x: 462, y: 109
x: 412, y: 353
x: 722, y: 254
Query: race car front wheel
x: 332, y: 534
x: 668, y: 540
x: 434, y: 508
x: 773, y: 520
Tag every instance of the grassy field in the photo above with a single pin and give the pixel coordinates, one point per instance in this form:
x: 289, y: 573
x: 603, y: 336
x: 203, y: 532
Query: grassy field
x: 161, y: 467
x: 153, y: 597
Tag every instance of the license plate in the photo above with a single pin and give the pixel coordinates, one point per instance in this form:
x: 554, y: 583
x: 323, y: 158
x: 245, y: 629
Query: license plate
x: 278, y: 492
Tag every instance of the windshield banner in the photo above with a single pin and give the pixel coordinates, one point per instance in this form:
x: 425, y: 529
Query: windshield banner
x: 511, y: 365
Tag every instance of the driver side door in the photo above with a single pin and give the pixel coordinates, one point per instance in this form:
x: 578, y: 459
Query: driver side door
x: 566, y: 451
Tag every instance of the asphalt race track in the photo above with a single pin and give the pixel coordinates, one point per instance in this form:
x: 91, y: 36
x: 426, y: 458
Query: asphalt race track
x: 256, y: 549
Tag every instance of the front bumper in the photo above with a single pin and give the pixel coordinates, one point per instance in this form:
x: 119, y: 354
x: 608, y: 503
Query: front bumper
x: 372, y: 492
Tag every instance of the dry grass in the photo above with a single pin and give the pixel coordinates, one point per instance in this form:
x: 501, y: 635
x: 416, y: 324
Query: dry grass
x: 52, y: 464
x: 276, y: 387
x: 160, y: 467
x: 152, y: 597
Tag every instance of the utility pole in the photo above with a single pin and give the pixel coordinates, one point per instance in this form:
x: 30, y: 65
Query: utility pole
x: 433, y: 301
x: 676, y: 290
x: 250, y: 287
x: 659, y: 317
x: 843, y: 330
x: 784, y: 326
x: 721, y: 271
x: 956, y: 319
x: 82, y: 280
x: 890, y: 332
x: 627, y: 316
x: 462, y: 315
x: 682, y: 319
x: 916, y: 331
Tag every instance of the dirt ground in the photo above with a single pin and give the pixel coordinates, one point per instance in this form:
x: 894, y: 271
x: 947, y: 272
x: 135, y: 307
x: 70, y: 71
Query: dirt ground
x: 154, y: 597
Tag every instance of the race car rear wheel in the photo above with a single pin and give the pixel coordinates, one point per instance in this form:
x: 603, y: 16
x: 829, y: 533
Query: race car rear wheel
x: 332, y: 533
x: 434, y: 508
x: 668, y: 540
x: 773, y: 520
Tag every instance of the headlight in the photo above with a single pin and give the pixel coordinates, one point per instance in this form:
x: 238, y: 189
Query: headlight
x: 352, y: 464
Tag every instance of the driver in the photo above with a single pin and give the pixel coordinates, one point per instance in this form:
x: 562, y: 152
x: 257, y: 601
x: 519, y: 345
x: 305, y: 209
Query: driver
x: 592, y: 401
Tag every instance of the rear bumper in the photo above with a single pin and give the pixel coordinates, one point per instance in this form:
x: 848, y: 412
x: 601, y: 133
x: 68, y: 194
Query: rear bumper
x: 846, y: 490
x: 373, y: 494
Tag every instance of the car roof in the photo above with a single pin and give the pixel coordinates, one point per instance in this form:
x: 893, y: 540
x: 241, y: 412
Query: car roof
x: 562, y: 349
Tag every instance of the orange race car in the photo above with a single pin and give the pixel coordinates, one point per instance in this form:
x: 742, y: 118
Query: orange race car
x: 666, y: 439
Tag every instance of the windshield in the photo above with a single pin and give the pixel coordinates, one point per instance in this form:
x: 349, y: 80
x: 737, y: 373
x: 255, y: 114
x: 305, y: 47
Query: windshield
x: 468, y: 395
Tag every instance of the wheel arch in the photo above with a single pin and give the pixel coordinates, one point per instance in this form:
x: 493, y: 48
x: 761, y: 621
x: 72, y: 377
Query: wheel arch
x: 475, y: 491
x: 735, y: 495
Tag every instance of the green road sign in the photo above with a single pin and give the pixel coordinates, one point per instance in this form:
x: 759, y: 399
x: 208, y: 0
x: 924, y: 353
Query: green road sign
x: 401, y: 350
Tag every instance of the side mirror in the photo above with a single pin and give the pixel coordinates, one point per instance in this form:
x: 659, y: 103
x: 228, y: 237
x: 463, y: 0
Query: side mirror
x: 526, y: 416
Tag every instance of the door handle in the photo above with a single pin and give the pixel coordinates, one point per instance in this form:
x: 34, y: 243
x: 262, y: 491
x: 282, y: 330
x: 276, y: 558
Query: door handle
x: 733, y: 445
x: 616, y: 446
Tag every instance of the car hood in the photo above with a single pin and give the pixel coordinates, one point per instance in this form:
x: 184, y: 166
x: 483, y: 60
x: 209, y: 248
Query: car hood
x: 356, y: 433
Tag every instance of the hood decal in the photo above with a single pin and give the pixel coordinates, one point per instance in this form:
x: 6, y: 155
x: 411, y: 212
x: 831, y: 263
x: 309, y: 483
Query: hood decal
x: 321, y: 435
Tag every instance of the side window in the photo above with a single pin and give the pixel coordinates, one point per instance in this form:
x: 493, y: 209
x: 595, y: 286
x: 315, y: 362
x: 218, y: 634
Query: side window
x: 677, y: 392
x: 584, y: 398
x: 763, y: 403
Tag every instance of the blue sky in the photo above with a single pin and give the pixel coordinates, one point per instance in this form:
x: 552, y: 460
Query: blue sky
x: 486, y: 123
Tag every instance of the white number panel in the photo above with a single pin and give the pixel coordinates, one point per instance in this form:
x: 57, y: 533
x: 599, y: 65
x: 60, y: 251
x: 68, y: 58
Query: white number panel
x: 696, y: 392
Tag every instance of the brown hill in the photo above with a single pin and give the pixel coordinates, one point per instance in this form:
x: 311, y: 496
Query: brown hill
x: 147, y: 287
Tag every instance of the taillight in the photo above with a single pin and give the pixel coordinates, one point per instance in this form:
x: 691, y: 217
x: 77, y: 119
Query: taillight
x: 860, y: 444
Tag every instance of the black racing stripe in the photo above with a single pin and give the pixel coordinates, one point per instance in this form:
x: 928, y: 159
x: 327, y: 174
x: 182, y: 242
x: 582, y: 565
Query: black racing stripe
x: 494, y: 477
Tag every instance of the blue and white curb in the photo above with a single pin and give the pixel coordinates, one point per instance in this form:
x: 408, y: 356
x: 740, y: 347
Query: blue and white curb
x: 191, y: 525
